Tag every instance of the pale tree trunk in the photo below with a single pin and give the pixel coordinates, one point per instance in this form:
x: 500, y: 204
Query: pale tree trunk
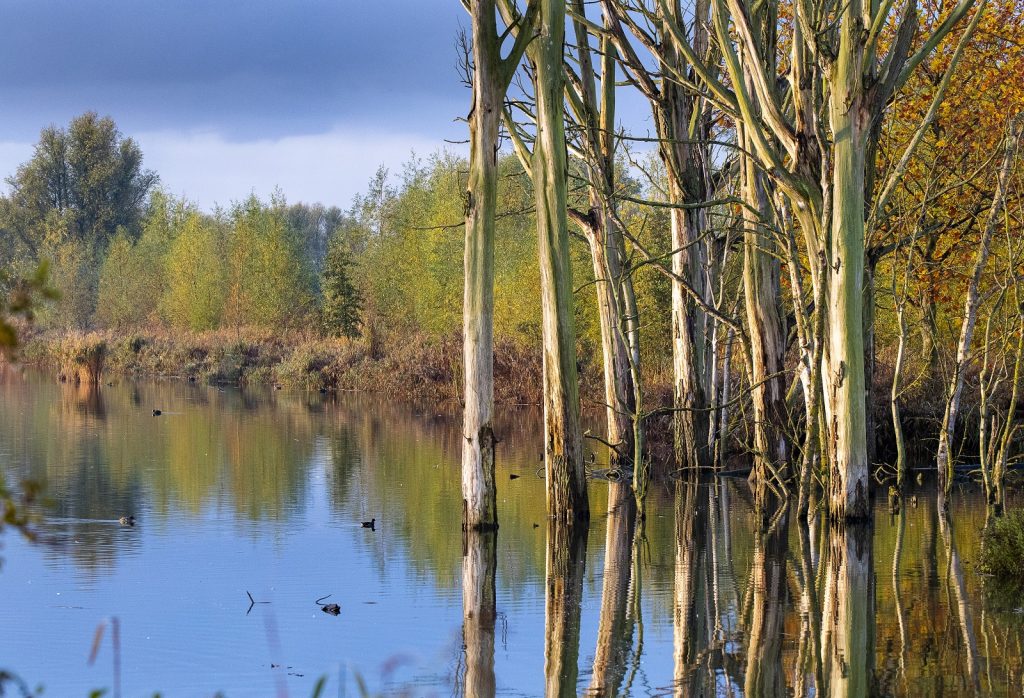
x: 491, y: 76
x: 868, y: 306
x: 479, y: 503
x: 764, y: 674
x: 848, y: 613
x: 894, y: 399
x: 943, y: 459
x: 563, y: 450
x: 479, y: 610
x: 762, y: 295
x: 996, y: 484
x: 690, y: 368
x: 566, y: 561
x: 900, y: 299
x: 843, y: 377
x: 681, y: 127
x: 615, y: 630
x: 614, y: 283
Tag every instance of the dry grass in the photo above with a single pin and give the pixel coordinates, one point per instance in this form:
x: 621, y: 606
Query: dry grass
x: 81, y: 357
x: 419, y: 367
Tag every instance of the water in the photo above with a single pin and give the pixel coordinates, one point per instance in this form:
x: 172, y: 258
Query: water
x: 263, y: 492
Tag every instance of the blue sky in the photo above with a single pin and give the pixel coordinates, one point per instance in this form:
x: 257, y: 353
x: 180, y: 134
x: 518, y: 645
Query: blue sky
x: 228, y: 97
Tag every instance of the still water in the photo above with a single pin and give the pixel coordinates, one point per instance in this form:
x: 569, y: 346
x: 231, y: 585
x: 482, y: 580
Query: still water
x: 263, y: 492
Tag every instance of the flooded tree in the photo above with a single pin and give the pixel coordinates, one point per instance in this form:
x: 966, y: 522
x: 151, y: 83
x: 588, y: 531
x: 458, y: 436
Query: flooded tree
x: 683, y: 129
x: 490, y: 75
x: 944, y: 459
x: 592, y: 110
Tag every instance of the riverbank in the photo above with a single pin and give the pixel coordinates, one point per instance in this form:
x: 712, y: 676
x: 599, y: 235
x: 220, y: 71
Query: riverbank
x: 411, y: 367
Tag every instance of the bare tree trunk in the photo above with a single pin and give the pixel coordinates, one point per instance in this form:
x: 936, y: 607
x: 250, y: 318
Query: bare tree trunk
x: 566, y: 560
x: 479, y: 610
x: 563, y: 450
x: 996, y: 495
x: 894, y: 399
x: 870, y: 261
x: 479, y: 503
x: 943, y: 458
x: 843, y: 378
x: 762, y: 295
x: 614, y: 282
x: 689, y: 322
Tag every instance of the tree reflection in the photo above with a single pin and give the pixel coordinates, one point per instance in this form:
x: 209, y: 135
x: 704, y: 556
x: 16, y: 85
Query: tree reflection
x: 693, y: 621
x: 615, y: 629
x: 955, y: 582
x: 566, y: 563
x: 479, y: 610
x: 848, y: 612
x: 764, y: 675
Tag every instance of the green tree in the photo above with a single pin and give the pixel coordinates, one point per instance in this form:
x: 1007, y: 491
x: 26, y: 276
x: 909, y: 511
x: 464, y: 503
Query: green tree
x: 119, y: 292
x: 269, y: 281
x: 195, y: 288
x: 342, y: 302
x: 88, y: 174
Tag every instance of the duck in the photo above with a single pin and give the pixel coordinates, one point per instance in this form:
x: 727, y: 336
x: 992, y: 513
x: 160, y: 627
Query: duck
x: 913, y: 500
x: 371, y: 524
x: 157, y: 413
x: 920, y: 478
x: 127, y: 520
x: 513, y: 476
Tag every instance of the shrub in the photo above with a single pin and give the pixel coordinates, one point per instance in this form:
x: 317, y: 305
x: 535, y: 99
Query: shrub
x: 1002, y: 548
x: 81, y: 357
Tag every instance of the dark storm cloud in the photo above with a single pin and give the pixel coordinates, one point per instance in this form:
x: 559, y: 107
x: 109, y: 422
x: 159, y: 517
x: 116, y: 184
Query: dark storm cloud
x: 253, y: 67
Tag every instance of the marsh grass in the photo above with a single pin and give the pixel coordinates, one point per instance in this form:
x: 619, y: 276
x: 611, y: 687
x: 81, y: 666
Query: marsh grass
x: 81, y: 357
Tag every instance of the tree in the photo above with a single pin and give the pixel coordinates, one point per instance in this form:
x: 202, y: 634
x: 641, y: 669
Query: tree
x: 87, y: 173
x: 194, y: 297
x: 119, y: 294
x: 563, y: 452
x: 269, y: 283
x: 491, y: 75
x: 342, y: 302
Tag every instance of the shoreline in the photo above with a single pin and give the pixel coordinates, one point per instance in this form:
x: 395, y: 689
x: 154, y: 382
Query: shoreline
x: 416, y: 368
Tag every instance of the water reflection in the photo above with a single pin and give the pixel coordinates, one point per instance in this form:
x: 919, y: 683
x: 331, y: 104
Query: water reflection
x: 563, y: 604
x: 479, y: 611
x: 262, y: 491
x: 615, y: 627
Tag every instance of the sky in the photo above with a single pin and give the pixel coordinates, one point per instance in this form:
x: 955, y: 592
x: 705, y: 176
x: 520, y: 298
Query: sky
x: 231, y: 97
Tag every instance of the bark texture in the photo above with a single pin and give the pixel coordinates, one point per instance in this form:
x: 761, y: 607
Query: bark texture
x: 563, y: 449
x: 479, y: 499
